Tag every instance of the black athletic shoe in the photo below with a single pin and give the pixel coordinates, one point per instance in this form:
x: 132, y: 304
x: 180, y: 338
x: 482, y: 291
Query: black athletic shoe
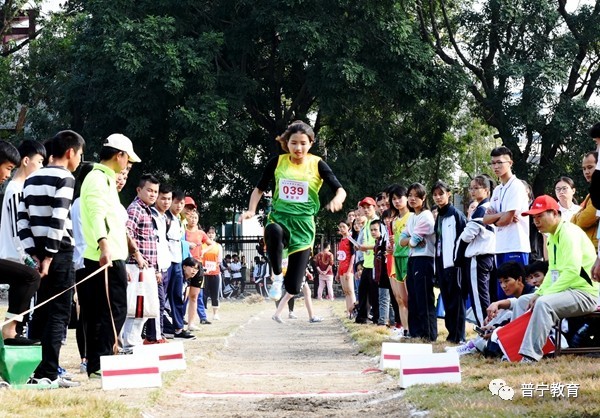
x: 185, y: 335
x: 20, y: 340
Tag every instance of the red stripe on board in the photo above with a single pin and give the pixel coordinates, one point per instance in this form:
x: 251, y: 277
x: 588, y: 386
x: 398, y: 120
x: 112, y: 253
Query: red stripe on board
x: 127, y: 372
x: 432, y: 370
x: 177, y: 356
x: 391, y: 356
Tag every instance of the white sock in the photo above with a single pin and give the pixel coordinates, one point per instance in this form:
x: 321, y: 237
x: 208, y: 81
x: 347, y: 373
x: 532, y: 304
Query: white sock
x: 278, y: 277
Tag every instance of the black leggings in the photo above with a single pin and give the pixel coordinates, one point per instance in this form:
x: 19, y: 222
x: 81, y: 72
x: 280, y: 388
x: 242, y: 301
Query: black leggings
x: 211, y: 289
x: 275, y: 238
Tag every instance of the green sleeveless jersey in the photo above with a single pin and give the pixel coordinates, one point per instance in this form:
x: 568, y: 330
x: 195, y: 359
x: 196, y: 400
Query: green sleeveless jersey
x: 297, y: 186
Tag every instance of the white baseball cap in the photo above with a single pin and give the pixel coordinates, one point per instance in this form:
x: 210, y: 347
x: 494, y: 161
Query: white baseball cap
x: 122, y: 143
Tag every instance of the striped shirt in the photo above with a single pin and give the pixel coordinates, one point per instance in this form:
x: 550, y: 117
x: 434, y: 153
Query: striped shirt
x: 44, y: 223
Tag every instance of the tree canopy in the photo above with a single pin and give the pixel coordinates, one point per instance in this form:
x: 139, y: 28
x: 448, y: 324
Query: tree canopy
x: 533, y: 68
x: 203, y: 88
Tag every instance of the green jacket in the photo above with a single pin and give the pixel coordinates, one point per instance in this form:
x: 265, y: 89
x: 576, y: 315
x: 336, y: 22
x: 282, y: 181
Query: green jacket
x: 570, y: 252
x: 102, y: 214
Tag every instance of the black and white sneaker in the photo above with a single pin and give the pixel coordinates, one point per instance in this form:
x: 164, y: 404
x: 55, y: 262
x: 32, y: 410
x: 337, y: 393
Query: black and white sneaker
x: 185, y: 335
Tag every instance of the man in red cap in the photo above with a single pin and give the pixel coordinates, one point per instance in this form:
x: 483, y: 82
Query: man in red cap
x: 567, y: 290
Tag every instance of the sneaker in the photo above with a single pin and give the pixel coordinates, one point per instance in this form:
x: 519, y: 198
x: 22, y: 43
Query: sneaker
x: 65, y: 383
x: 467, y: 348
x: 528, y: 360
x: 95, y: 375
x: 21, y: 340
x: 64, y: 374
x: 83, y: 367
x: 42, y: 381
x: 275, y: 291
x: 315, y: 319
x: 216, y: 317
x: 126, y: 350
x: 193, y: 328
x: 205, y: 322
x: 292, y: 315
x: 168, y: 336
x: 148, y: 342
x: 277, y: 319
x: 185, y: 335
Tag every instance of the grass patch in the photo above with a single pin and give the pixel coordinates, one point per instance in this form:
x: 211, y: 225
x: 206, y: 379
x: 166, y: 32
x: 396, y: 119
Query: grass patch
x: 60, y: 403
x: 473, y: 398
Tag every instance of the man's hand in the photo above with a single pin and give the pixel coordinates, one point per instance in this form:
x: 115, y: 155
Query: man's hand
x: 105, y: 255
x: 45, y: 266
x: 596, y: 270
x: 140, y: 260
x: 158, y: 277
x: 532, y: 302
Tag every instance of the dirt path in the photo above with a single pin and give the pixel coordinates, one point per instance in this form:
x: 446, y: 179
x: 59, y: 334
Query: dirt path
x: 247, y: 365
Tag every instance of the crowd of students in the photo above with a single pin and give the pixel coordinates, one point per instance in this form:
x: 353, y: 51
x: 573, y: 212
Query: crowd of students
x: 403, y: 249
x: 57, y: 231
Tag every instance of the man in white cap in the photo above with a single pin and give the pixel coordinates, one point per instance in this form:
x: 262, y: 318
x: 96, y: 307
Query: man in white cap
x: 103, y: 224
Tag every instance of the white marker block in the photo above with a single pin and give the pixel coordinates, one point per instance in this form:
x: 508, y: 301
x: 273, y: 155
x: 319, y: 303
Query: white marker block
x: 420, y: 369
x: 171, y: 356
x: 130, y: 371
x: 391, y: 353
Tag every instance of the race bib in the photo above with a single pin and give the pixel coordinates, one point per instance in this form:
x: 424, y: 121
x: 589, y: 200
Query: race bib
x: 341, y: 255
x: 293, y: 191
x: 210, y: 265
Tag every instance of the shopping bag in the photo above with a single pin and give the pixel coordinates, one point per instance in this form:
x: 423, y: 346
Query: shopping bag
x: 142, y: 293
x: 511, y: 336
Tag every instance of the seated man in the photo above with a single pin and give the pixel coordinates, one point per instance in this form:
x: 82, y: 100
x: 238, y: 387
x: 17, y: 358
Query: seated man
x: 567, y: 290
x: 511, y: 276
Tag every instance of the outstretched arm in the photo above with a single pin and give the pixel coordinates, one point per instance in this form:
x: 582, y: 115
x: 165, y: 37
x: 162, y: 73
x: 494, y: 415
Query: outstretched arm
x: 254, y: 199
x: 338, y: 200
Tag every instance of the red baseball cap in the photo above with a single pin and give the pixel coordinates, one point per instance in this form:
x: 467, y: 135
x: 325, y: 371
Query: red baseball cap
x: 189, y: 202
x: 367, y: 201
x: 542, y: 204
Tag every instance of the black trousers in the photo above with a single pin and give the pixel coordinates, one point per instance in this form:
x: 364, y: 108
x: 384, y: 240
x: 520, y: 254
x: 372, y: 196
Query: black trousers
x: 450, y: 280
x: 476, y: 282
x: 24, y: 281
x: 368, y: 296
x: 422, y: 318
x: 50, y: 321
x: 94, y: 309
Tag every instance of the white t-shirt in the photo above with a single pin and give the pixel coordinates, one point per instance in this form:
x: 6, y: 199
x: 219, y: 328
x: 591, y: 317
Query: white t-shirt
x: 567, y: 214
x: 515, y: 236
x: 9, y: 239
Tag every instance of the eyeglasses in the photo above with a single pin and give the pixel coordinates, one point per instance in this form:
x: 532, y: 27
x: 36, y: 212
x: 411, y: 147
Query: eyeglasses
x: 561, y: 189
x: 497, y: 163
